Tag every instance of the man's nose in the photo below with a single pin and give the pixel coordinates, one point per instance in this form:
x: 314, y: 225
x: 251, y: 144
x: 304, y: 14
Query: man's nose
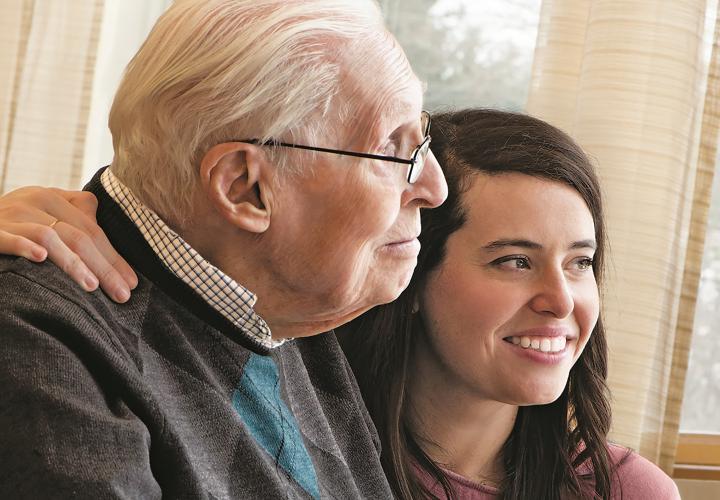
x: 430, y: 188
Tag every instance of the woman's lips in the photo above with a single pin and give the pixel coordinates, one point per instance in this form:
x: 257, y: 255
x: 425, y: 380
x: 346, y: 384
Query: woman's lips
x: 537, y: 355
x: 548, y: 345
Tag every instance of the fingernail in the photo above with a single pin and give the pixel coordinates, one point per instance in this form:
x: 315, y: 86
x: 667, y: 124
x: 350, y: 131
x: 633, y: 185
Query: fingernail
x: 122, y: 294
x: 91, y: 283
x: 38, y: 254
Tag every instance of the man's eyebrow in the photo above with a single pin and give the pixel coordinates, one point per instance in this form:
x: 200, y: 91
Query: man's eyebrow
x: 497, y: 245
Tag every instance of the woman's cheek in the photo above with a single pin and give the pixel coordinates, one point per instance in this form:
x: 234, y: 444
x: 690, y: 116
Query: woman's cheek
x: 587, y: 311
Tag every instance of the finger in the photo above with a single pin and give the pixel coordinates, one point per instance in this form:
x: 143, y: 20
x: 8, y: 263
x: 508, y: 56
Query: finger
x: 61, y: 255
x: 108, y: 252
x: 12, y: 244
x: 80, y: 213
x: 84, y: 201
x: 111, y: 281
x: 113, y: 257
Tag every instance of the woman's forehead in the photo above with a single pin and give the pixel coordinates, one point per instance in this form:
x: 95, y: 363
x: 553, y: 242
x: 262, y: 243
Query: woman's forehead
x: 523, y: 201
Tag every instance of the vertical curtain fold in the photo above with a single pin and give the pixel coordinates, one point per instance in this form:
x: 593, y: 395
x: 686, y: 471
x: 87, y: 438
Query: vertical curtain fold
x: 624, y: 77
x: 14, y: 30
x: 47, y: 61
x: 557, y: 65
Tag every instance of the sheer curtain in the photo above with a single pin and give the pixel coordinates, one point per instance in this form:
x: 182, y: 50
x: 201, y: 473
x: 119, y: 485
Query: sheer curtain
x: 60, y: 63
x: 627, y: 79
x: 47, y: 60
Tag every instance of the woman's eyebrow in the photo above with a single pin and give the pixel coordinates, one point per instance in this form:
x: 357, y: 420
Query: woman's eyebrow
x: 591, y: 244
x: 498, y: 245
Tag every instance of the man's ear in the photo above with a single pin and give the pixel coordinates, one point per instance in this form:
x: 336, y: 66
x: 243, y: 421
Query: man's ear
x: 234, y: 176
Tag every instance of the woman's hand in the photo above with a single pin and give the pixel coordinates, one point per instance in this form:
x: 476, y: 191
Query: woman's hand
x: 39, y: 223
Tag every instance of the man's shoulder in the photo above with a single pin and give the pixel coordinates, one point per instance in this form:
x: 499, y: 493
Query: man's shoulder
x: 41, y: 296
x: 42, y: 285
x: 637, y: 477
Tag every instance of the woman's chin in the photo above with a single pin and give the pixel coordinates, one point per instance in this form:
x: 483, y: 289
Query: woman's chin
x: 540, y: 396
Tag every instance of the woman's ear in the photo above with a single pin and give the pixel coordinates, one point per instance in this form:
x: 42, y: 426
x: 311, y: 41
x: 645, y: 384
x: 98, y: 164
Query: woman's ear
x: 234, y: 176
x: 415, y: 308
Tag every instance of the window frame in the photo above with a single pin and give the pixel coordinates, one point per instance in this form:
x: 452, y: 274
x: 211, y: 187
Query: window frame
x: 697, y: 457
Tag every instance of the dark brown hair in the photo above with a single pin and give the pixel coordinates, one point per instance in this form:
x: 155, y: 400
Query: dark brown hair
x: 548, y: 442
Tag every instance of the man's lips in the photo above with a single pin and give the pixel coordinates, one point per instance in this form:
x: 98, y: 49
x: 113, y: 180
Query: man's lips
x: 405, y: 248
x: 404, y: 240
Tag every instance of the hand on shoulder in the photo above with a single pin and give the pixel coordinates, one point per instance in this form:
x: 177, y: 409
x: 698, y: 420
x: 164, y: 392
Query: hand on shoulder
x: 39, y: 223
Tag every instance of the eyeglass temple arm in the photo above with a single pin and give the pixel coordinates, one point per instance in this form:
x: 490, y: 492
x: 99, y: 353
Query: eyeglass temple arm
x: 333, y: 151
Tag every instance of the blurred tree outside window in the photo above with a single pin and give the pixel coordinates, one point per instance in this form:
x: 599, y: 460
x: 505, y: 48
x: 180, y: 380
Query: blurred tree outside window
x: 468, y: 52
x: 701, y: 403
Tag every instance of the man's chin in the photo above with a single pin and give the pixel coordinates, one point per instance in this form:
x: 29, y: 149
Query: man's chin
x: 386, y: 289
x: 385, y: 298
x: 390, y: 295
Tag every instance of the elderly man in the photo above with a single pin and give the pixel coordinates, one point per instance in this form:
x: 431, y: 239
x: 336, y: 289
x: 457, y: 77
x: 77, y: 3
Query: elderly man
x: 265, y: 190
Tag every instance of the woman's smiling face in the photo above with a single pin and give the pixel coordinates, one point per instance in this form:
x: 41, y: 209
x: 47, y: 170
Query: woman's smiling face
x: 513, y: 303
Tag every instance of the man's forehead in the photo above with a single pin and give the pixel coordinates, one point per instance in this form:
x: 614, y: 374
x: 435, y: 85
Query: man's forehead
x: 403, y: 106
x: 382, y: 104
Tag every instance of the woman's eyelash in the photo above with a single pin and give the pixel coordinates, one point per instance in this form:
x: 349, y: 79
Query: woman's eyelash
x: 522, y: 262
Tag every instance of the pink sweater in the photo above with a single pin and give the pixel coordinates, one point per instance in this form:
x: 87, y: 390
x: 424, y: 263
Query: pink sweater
x: 637, y: 479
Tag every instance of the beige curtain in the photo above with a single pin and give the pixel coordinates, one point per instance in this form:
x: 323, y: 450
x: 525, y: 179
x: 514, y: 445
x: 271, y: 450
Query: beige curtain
x: 47, y: 61
x: 627, y: 79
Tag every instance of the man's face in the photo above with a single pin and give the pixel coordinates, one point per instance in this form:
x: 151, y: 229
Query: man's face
x: 344, y: 232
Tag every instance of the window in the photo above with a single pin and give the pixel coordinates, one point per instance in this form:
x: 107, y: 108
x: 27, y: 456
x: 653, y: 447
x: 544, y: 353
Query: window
x: 701, y: 405
x: 698, y: 453
x: 469, y: 53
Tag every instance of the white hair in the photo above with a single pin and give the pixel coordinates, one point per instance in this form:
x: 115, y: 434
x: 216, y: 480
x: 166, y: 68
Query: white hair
x: 216, y: 70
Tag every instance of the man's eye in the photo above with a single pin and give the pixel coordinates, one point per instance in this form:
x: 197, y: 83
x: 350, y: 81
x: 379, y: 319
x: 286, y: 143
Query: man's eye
x: 390, y: 149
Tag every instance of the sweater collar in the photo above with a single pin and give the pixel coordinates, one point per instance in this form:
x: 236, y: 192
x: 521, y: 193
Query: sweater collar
x: 156, y: 251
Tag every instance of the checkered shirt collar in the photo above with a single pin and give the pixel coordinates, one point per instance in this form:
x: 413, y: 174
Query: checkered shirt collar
x: 225, y: 295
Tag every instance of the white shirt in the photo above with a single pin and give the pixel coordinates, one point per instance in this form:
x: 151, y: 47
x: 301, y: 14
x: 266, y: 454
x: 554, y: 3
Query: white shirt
x: 225, y: 295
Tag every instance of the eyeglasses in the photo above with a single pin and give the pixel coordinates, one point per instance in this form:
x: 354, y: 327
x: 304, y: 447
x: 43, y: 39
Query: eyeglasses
x: 414, y: 165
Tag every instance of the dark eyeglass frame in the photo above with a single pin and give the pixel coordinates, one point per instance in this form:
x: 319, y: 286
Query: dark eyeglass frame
x: 415, y: 163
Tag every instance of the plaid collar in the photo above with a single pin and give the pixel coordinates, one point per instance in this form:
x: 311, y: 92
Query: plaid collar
x: 225, y: 295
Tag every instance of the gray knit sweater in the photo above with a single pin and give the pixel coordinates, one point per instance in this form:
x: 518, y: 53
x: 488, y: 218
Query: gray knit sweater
x: 163, y: 397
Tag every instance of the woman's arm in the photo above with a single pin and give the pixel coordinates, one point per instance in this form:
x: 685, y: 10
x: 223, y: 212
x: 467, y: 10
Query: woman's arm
x: 39, y: 223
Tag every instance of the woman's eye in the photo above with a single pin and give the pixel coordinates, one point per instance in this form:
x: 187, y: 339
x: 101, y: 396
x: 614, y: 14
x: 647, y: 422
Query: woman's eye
x: 584, y: 263
x: 512, y: 262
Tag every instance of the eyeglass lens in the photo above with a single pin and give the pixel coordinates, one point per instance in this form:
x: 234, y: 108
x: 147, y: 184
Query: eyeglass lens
x: 416, y: 168
x: 420, y: 153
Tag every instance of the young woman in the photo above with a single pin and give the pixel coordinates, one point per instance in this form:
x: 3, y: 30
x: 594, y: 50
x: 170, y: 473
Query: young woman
x: 486, y: 378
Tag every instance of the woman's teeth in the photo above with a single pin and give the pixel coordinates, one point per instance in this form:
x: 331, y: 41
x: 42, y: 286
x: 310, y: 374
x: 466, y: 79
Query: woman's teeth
x: 542, y: 344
